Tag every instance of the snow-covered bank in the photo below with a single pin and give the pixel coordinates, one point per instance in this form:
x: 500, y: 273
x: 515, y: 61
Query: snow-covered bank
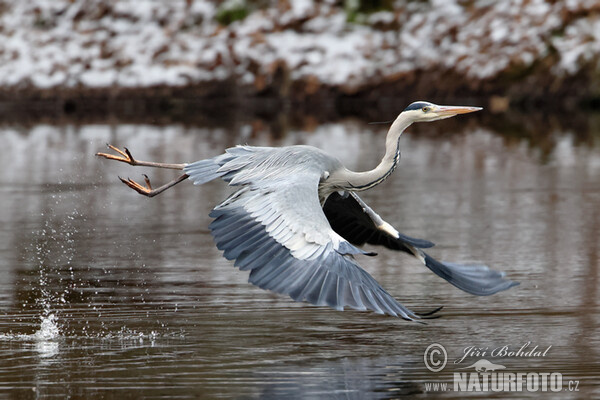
x: 297, y: 48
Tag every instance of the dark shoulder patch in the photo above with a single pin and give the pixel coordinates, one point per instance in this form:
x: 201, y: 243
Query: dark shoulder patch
x: 417, y: 105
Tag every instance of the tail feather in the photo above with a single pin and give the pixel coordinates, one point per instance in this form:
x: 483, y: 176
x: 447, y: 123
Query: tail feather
x: 203, y: 171
x: 479, y: 280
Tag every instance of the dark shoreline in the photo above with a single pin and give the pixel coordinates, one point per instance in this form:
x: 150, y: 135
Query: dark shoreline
x: 539, y: 125
x: 380, y: 101
x: 279, y: 108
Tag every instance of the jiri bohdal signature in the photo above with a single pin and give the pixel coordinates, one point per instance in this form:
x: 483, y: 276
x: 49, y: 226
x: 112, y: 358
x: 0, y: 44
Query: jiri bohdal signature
x: 504, y: 351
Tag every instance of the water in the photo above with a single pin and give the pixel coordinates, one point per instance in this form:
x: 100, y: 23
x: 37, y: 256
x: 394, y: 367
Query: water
x: 106, y: 294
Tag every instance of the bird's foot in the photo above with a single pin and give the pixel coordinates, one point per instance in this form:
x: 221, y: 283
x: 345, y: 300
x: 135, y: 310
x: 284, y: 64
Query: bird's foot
x: 125, y: 156
x: 145, y: 190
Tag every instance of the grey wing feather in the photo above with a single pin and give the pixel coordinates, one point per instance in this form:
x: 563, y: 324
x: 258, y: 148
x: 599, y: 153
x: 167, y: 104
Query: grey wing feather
x: 475, y: 279
x: 247, y: 165
x: 332, y: 279
x: 275, y: 228
x: 351, y: 220
x: 202, y: 171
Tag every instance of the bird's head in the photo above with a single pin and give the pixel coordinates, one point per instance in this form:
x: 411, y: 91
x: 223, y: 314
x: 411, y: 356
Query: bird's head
x: 423, y: 111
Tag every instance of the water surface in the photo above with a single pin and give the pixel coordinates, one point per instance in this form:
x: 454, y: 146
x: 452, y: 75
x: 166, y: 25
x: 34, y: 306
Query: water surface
x: 104, y: 293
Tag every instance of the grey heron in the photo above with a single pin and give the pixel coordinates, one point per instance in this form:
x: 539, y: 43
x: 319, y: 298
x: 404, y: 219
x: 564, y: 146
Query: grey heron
x: 295, y: 221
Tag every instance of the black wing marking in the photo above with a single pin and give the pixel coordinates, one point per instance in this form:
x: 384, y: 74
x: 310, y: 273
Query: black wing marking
x: 349, y: 219
x: 352, y: 219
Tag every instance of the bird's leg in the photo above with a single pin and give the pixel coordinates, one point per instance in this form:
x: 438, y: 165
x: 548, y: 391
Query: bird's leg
x: 126, y: 157
x: 147, y: 189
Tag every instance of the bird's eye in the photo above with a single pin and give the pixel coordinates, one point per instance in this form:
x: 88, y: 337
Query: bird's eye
x: 426, y: 109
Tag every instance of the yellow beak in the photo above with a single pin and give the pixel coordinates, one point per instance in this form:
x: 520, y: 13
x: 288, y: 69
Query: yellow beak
x: 450, y: 111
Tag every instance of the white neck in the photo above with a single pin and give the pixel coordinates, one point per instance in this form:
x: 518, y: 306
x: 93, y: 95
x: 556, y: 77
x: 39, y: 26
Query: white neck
x: 357, y: 181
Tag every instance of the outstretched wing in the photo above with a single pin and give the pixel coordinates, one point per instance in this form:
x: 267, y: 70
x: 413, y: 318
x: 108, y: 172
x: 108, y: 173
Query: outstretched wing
x: 356, y: 222
x: 277, y: 230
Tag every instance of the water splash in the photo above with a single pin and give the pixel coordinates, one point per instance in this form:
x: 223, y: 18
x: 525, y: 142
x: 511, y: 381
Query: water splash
x: 45, y: 339
x: 48, y: 329
x: 54, y: 284
x: 52, y: 251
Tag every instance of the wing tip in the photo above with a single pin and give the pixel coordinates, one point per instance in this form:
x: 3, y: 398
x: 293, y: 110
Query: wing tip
x: 477, y: 279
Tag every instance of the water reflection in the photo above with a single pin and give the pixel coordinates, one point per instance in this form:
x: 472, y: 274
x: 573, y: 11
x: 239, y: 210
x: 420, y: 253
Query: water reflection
x: 136, y: 300
x: 347, y: 378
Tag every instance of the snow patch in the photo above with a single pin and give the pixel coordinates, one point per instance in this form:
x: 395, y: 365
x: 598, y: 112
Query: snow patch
x: 130, y: 43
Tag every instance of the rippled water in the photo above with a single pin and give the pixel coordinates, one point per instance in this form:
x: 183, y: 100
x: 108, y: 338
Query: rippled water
x: 104, y: 293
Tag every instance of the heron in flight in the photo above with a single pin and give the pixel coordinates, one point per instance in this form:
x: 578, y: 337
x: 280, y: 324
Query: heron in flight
x: 296, y: 221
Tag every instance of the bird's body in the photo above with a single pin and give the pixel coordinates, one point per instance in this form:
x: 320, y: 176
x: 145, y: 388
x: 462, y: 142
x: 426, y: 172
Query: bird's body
x: 295, y: 221
x: 250, y: 165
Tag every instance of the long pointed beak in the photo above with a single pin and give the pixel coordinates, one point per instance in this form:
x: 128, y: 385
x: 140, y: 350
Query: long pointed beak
x: 450, y: 111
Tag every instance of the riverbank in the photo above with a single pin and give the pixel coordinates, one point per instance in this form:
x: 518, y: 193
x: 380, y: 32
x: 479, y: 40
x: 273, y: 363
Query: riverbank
x: 74, y: 55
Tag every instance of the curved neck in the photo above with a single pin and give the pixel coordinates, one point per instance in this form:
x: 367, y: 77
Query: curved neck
x: 365, y: 180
